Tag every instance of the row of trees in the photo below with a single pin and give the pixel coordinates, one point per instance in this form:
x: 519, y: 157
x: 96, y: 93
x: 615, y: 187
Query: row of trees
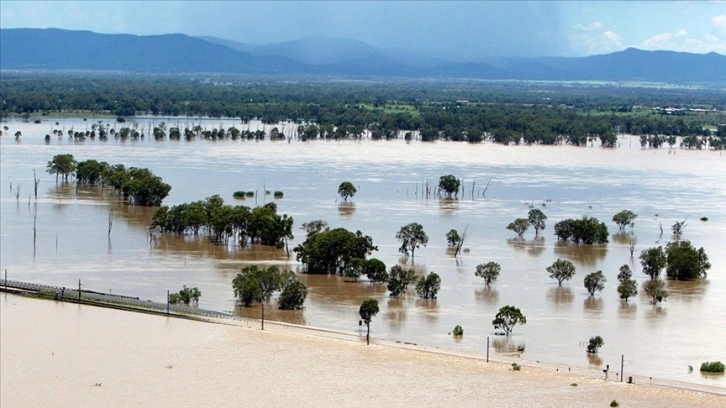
x: 223, y: 222
x: 471, y: 112
x: 137, y: 185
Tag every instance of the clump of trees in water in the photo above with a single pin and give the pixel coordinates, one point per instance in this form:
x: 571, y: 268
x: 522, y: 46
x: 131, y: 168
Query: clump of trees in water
x: 587, y: 230
x: 186, y: 296
x: 222, y: 222
x: 137, y: 185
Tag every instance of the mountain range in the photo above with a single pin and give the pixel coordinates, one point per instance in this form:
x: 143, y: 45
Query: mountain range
x: 56, y: 49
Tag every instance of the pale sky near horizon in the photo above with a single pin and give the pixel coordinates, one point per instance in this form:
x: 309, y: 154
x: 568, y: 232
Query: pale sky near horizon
x: 457, y: 30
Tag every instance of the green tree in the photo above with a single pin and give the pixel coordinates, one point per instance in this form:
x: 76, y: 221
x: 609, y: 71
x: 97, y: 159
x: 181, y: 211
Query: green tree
x: 62, y: 165
x: 293, y: 295
x: 562, y: 270
x: 347, y: 189
x: 427, y: 287
x: 536, y: 218
x: 453, y: 237
x: 519, y: 226
x: 256, y: 285
x: 399, y: 279
x: 450, y: 185
x: 595, y: 344
x: 653, y: 261
x: 588, y: 230
x: 685, y: 262
x: 508, y: 317
x: 330, y: 251
x: 412, y: 236
x: 625, y: 218
x: 367, y: 310
x: 91, y: 172
x: 375, y: 270
x: 628, y: 287
x: 488, y: 271
x: 595, y: 282
x: 655, y: 288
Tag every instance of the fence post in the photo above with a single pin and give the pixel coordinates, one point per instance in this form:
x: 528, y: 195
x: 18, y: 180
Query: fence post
x: 487, y: 349
x: 622, y: 362
x: 79, y: 291
x: 6, y: 278
x: 167, y: 302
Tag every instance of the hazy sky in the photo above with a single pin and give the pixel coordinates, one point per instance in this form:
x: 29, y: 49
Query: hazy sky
x: 450, y: 29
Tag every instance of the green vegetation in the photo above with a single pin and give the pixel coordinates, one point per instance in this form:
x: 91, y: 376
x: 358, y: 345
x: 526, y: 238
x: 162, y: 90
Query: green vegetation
x: 449, y: 185
x: 508, y: 317
x: 712, y: 367
x: 222, y: 222
x: 367, y: 310
x: 186, y: 296
x: 62, y: 165
x: 412, y: 236
x: 588, y: 230
x: 655, y: 288
x: 595, y: 344
x: 458, y: 331
x: 595, y: 282
x: 685, y: 262
x: 624, y: 219
x: 399, y: 279
x: 457, y: 110
x: 562, y: 270
x: 327, y: 251
x: 278, y: 194
x: 519, y: 226
x: 536, y: 219
x: 516, y: 367
x: 256, y: 285
x: 653, y: 261
x: 614, y: 403
x: 239, y: 195
x: 488, y: 271
x: 427, y: 287
x: 346, y: 190
x: 628, y: 287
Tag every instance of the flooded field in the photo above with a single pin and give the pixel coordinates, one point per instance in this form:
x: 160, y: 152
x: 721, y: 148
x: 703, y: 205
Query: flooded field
x: 62, y: 236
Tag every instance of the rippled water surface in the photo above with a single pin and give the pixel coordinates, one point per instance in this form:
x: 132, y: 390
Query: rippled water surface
x: 62, y: 236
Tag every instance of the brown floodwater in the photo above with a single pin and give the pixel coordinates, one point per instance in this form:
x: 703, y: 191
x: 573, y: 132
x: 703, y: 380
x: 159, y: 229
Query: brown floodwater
x: 63, y: 236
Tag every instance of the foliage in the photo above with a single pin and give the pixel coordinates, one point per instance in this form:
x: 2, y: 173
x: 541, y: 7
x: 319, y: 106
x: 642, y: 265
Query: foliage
x: 653, y: 261
x: 655, y: 288
x: 293, y: 295
x: 614, y: 403
x: 240, y: 195
x: 138, y: 185
x: 562, y: 270
x: 595, y: 282
x: 186, y: 296
x: 278, y: 194
x: 628, y: 287
x: 256, y: 285
x: 427, y: 287
x: 355, y: 268
x: 412, y: 236
x: 488, y: 271
x: 595, y: 344
x: 712, y: 367
x: 91, y: 172
x: 536, y: 219
x: 508, y: 317
x: 625, y: 218
x: 516, y: 367
x: 375, y: 270
x: 63, y: 165
x: 458, y: 331
x: 399, y: 279
x: 678, y: 227
x: 685, y: 262
x: 588, y: 230
x: 449, y: 184
x: 367, y: 310
x: 519, y: 226
x: 330, y: 251
x: 144, y: 188
x: 346, y: 190
x: 453, y: 237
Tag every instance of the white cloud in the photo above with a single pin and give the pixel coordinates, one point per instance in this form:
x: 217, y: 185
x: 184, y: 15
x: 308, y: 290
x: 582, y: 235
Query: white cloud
x: 681, y: 40
x: 593, y: 38
x: 719, y: 22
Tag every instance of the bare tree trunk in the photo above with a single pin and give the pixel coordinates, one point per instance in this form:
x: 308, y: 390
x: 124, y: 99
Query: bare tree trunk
x: 36, y: 181
x: 460, y: 244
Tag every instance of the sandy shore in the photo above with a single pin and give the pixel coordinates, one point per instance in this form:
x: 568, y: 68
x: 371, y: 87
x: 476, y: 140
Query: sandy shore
x: 61, y: 354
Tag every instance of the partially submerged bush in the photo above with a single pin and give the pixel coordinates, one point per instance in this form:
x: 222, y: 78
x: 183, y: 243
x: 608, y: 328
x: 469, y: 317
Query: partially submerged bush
x: 458, y: 331
x: 712, y: 367
x: 240, y: 195
x: 516, y: 367
x: 278, y: 194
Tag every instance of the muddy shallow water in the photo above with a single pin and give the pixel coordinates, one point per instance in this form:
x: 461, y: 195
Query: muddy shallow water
x: 62, y: 236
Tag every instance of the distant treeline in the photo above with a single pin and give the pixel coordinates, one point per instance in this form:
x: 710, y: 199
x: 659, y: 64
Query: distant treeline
x: 504, y: 112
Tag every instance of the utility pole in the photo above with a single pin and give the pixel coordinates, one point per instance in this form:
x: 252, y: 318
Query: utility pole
x: 622, y: 362
x: 79, y: 291
x: 487, y: 349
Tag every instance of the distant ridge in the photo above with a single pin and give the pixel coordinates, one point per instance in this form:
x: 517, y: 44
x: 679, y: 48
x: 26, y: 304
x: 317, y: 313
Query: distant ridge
x: 56, y: 49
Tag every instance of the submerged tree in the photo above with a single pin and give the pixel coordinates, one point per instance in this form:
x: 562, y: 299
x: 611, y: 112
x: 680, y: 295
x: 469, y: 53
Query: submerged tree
x: 624, y: 219
x: 62, y: 165
x: 685, y: 262
x: 412, y: 236
x: 595, y: 282
x: 628, y: 287
x: 562, y: 270
x: 399, y: 279
x: 256, y: 285
x: 449, y: 184
x: 655, y: 288
x: 519, y: 226
x: 427, y: 287
x: 508, y: 317
x: 595, y: 344
x: 653, y: 261
x: 488, y: 271
x: 346, y: 190
x: 367, y: 310
x: 536, y: 219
